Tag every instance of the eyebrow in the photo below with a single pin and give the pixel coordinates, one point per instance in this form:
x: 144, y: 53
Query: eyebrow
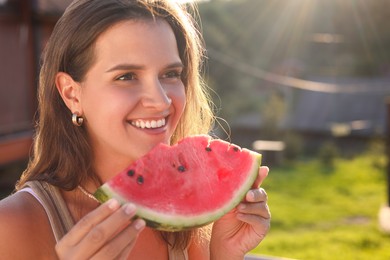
x: 126, y: 66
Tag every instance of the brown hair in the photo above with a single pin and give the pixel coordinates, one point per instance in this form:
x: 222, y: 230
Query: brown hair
x: 61, y: 153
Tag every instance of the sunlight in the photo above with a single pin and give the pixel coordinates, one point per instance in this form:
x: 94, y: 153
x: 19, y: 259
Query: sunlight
x: 292, y: 24
x: 366, y: 33
x: 191, y: 1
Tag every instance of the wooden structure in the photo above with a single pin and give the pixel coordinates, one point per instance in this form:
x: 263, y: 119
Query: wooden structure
x: 25, y: 26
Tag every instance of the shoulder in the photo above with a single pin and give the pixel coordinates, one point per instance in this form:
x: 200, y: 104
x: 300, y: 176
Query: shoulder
x: 24, y: 225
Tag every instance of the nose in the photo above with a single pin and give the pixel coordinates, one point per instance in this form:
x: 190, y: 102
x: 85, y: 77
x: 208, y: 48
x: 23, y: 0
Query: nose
x: 155, y: 96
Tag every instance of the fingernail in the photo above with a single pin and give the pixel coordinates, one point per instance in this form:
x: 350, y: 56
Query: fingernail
x: 139, y: 224
x: 113, y: 204
x: 129, y: 209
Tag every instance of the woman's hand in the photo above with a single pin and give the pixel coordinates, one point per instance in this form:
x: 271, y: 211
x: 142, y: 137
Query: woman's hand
x: 243, y: 228
x: 105, y: 233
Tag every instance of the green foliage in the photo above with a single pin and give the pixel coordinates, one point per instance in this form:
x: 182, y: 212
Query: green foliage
x: 294, y: 146
x: 265, y: 33
x: 272, y: 114
x: 328, y: 154
x: 377, y: 148
x: 326, y: 216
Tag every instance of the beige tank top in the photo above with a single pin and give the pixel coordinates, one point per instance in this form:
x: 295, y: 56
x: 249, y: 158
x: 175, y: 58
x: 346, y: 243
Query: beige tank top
x: 59, y: 216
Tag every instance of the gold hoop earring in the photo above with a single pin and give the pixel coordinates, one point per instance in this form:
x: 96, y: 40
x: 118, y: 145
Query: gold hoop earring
x: 76, y: 119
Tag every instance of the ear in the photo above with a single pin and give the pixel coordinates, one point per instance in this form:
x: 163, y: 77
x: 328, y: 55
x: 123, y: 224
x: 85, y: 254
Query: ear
x: 70, y: 92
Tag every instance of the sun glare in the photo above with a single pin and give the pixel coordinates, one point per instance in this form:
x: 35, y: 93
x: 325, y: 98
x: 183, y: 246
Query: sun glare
x: 191, y: 1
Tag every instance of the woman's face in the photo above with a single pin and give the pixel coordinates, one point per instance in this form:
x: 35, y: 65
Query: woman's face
x: 132, y: 97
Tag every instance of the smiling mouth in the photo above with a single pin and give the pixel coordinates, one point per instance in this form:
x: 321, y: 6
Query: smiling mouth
x: 149, y: 124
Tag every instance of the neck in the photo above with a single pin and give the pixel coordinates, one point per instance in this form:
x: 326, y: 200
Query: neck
x: 78, y: 203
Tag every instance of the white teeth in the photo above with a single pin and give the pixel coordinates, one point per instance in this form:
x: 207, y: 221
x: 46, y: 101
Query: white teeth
x: 161, y: 122
x: 149, y: 124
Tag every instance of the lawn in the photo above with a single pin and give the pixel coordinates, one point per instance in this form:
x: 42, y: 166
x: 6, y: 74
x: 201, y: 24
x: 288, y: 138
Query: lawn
x: 327, y: 212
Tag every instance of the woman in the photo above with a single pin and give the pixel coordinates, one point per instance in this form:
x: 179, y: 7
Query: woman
x: 117, y: 78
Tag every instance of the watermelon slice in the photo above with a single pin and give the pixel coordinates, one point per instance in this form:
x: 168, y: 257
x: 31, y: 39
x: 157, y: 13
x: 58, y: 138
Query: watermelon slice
x: 186, y: 185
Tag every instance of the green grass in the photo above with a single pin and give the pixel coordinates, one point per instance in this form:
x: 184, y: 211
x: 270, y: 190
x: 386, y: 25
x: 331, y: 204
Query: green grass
x: 327, y: 213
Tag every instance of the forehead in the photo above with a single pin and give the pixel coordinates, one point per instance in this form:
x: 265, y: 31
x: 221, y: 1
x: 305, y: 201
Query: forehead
x: 135, y: 31
x: 135, y: 24
x: 136, y: 38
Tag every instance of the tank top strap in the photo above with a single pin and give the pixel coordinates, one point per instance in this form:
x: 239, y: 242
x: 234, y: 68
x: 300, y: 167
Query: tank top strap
x: 53, y: 203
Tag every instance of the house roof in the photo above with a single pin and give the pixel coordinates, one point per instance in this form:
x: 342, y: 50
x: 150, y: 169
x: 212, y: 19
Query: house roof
x: 362, y: 113
x: 342, y: 113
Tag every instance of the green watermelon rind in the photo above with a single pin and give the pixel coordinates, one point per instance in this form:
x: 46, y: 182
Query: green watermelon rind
x: 170, y: 222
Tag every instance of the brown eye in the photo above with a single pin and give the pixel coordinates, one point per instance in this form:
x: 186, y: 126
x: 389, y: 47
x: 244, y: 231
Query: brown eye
x: 173, y: 74
x: 127, y: 76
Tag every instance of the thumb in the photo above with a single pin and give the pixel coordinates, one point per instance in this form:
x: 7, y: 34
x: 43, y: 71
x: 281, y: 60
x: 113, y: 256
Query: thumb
x: 263, y: 173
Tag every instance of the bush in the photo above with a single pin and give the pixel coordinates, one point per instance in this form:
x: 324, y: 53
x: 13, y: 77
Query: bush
x: 293, y: 146
x: 328, y: 154
x: 377, y: 149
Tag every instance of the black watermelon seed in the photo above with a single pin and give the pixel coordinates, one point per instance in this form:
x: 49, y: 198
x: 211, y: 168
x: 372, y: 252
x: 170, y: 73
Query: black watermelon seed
x: 130, y: 173
x: 181, y: 168
x: 208, y: 149
x: 235, y: 149
x: 140, y: 179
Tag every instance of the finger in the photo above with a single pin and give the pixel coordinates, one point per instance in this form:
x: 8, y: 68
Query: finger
x: 105, y: 231
x: 260, y: 225
x: 256, y: 195
x: 89, y: 221
x: 126, y: 251
x: 263, y: 173
x: 121, y: 245
x: 260, y: 209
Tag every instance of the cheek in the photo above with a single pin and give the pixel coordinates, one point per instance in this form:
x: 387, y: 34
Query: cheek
x: 105, y: 106
x: 178, y: 97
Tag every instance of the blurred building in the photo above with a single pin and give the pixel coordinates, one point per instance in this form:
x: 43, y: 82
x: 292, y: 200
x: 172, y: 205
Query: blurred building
x: 25, y: 26
x: 352, y: 113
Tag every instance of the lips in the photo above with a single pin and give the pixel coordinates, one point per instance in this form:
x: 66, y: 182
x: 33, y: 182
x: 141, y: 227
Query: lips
x: 148, y: 124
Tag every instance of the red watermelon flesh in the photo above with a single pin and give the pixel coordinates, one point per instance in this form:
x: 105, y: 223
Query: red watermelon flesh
x: 185, y: 185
